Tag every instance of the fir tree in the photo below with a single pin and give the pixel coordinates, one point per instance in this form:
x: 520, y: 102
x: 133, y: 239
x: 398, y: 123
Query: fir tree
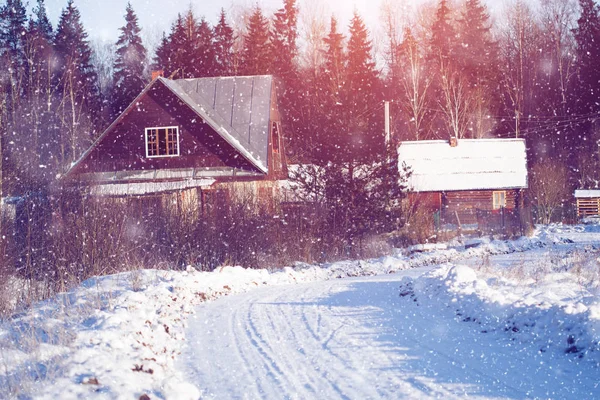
x: 285, y: 51
x: 77, y: 85
x: 12, y: 34
x: 185, y: 45
x: 477, y: 56
x: 204, y: 51
x: 41, y: 22
x: 587, y: 36
x: 441, y: 43
x: 257, y: 52
x: 477, y: 50
x: 223, y: 47
x: 39, y: 52
x: 359, y: 90
x: 171, y: 53
x: 13, y: 20
x: 283, y: 38
x: 335, y: 59
x: 129, y: 63
x: 162, y: 58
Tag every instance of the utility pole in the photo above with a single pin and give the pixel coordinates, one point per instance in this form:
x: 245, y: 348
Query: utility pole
x: 387, y: 124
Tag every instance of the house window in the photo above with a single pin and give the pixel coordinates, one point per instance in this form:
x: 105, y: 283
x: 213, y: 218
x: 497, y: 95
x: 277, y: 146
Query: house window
x: 162, y: 141
x: 499, y: 199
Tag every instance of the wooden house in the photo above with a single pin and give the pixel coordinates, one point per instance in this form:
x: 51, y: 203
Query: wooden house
x: 193, y: 138
x: 468, y: 182
x: 588, y: 202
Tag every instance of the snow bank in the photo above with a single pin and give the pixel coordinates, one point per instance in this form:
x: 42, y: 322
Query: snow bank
x: 118, y: 336
x: 556, y: 313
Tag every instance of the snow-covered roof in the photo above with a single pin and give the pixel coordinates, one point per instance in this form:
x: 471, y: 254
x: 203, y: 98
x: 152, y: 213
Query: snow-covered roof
x: 474, y: 164
x: 587, y: 193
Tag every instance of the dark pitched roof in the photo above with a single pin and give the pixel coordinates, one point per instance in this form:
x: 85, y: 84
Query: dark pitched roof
x: 237, y: 108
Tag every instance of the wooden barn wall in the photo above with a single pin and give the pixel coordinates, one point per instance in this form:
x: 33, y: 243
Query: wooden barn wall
x: 124, y: 148
x: 428, y: 200
x: 194, y: 202
x: 465, y: 204
x: 263, y: 194
x: 588, y: 206
x: 477, y: 199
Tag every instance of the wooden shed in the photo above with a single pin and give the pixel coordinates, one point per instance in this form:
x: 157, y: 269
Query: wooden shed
x: 469, y: 182
x: 194, y: 136
x: 588, y: 202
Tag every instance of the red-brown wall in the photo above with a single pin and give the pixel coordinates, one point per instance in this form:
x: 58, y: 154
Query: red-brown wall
x: 124, y: 147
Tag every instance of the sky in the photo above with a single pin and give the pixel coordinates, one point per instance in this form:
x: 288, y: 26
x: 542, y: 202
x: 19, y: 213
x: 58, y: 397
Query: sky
x: 102, y: 19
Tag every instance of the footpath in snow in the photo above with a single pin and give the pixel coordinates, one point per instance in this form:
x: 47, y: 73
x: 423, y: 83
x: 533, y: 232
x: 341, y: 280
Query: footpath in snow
x: 122, y: 336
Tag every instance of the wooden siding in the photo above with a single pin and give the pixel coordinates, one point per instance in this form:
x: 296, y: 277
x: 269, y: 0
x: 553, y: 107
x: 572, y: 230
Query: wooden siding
x: 588, y: 206
x: 277, y: 161
x: 427, y: 200
x: 466, y: 204
x: 124, y: 148
x: 260, y: 194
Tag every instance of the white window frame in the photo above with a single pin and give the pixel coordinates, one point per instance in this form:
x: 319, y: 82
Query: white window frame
x: 161, y: 127
x: 495, y: 204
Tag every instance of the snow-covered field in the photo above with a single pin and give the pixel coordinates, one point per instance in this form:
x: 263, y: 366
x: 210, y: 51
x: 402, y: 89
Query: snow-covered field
x: 516, y: 319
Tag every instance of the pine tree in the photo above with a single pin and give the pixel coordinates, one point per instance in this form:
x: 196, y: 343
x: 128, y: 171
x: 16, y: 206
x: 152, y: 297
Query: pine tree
x: 477, y: 57
x: 285, y: 51
x: 335, y: 61
x: 13, y: 20
x: 257, y: 52
x: 40, y: 56
x: 162, y: 58
x: 283, y: 38
x: 332, y: 78
x: 185, y: 45
x: 129, y: 64
x: 223, y: 47
x: 204, y: 50
x: 12, y: 33
x: 171, y: 53
x: 77, y: 85
x: 188, y: 51
x: 585, y: 95
x: 477, y: 49
x: 360, y: 88
x: 587, y: 36
x: 441, y: 43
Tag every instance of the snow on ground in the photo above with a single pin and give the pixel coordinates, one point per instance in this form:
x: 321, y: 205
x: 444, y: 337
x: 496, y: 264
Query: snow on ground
x: 121, y: 336
x: 357, y: 339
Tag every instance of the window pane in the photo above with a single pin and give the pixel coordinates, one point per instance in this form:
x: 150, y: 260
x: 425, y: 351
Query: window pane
x: 152, y: 142
x: 171, y: 141
x: 162, y: 142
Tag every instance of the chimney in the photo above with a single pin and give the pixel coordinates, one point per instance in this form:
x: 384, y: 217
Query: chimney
x: 156, y: 74
x: 453, y: 141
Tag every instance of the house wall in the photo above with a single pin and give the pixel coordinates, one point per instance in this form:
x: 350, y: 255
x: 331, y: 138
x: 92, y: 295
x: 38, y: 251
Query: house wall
x: 427, y: 200
x: 199, y: 146
x: 276, y: 157
x: 466, y: 204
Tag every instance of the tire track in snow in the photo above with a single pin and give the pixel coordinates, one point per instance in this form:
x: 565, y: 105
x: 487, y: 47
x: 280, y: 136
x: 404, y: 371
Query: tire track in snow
x: 348, y: 339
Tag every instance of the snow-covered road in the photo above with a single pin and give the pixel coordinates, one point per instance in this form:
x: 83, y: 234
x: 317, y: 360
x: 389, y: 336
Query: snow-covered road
x: 357, y: 339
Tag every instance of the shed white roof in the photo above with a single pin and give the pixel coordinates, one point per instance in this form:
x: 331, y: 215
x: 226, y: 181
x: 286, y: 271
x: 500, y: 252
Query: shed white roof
x: 472, y: 165
x: 587, y: 194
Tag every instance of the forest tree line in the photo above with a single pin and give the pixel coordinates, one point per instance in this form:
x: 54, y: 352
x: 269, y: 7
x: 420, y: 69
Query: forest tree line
x: 448, y: 68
